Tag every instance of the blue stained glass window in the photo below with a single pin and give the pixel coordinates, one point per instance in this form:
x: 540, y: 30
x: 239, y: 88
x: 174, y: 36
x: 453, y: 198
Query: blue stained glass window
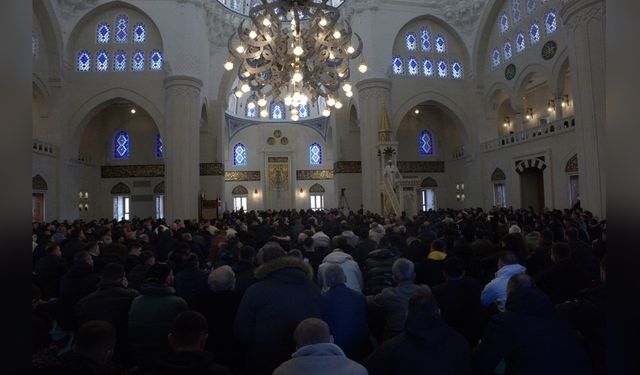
x: 139, y: 33
x: 495, y: 57
x: 315, y: 154
x: 551, y: 21
x: 531, y: 6
x: 425, y: 143
x: 397, y: 65
x: 427, y: 67
x: 456, y: 70
x: 122, y: 29
x: 34, y: 45
x: 277, y: 110
x: 411, y: 40
x: 441, y: 44
x: 120, y: 61
x: 103, y: 33
x: 121, y: 145
x: 520, y: 42
x: 507, y: 50
x: 137, y: 61
x: 443, y: 69
x: 303, y: 110
x: 425, y: 38
x: 516, y: 13
x: 504, y: 23
x: 412, y: 65
x: 83, y: 61
x: 534, y: 33
x: 239, y: 155
x: 102, y: 61
x: 155, y: 60
x: 159, y: 147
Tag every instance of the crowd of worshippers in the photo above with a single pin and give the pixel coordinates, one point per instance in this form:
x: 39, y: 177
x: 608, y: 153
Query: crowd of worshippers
x: 322, y: 292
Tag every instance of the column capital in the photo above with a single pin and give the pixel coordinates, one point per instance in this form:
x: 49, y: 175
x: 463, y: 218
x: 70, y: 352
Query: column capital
x: 374, y: 83
x: 182, y: 80
x: 576, y: 12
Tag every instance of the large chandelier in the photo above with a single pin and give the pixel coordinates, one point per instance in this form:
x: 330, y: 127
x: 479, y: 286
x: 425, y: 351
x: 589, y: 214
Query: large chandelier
x: 296, y: 51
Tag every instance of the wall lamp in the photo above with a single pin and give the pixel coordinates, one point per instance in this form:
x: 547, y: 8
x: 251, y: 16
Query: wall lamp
x: 529, y: 114
x: 565, y: 100
x: 551, y: 106
x: 507, y: 121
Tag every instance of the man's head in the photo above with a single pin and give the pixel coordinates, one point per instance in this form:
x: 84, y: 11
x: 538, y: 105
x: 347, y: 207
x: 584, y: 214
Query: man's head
x: 334, y: 275
x: 421, y: 304
x: 135, y: 249
x: 273, y: 251
x: 147, y: 257
x: 403, y: 270
x: 54, y: 249
x: 83, y: 257
x: 506, y: 258
x: 113, y: 273
x: 453, y: 268
x: 312, y: 331
x: 189, y: 332
x: 160, y: 273
x: 519, y: 282
x: 92, y: 248
x: 560, y: 252
x: 437, y: 245
x: 95, y: 339
x: 222, y: 278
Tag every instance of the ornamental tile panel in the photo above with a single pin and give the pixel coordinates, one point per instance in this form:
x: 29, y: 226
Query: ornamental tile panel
x: 314, y: 174
x: 421, y: 166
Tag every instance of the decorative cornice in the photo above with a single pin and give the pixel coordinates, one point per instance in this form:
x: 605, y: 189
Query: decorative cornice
x: 242, y: 175
x: 347, y: 167
x: 182, y: 80
x: 314, y: 174
x: 421, y: 166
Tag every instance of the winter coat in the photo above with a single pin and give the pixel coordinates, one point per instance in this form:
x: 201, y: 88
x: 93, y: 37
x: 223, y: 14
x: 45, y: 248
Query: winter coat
x: 562, y: 281
x: 49, y: 271
x: 531, y: 338
x: 429, y: 271
x: 270, y: 310
x: 377, y: 270
x: 244, y: 276
x: 345, y: 311
x: 352, y: 238
x: 348, y: 265
x: 191, y: 282
x: 320, y: 359
x: 150, y: 319
x: 76, y: 284
x: 427, y: 346
x: 395, y: 302
x: 192, y: 363
x: 137, y: 275
x: 496, y: 290
x: 71, y: 247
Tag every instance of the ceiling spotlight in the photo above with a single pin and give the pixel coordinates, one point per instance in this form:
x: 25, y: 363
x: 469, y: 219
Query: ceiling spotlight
x: 253, y: 34
x: 417, y: 111
x: 133, y: 111
x: 323, y: 22
x: 326, y: 112
x: 337, y: 34
x: 338, y: 104
x: 350, y: 50
x: 228, y: 65
x: 262, y: 102
x: 264, y: 113
x: 349, y: 94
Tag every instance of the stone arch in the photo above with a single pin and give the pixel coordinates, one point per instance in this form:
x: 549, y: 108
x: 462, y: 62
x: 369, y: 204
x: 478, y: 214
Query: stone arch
x: 316, y: 188
x: 498, y: 175
x: 120, y: 188
x: 159, y: 188
x: 572, y: 164
x: 526, y: 73
x: 240, y: 190
x: 482, y: 39
x: 39, y: 183
x: 40, y: 97
x: 52, y: 36
x: 537, y: 163
x: 429, y: 182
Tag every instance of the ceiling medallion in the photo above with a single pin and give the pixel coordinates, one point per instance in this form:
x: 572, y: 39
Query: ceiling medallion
x: 295, y: 51
x: 284, y: 140
x: 271, y: 141
x: 510, y: 72
x: 549, y: 50
x: 277, y: 133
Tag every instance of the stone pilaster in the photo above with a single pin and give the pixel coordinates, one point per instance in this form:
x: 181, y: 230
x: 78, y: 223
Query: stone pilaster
x: 182, y: 150
x: 585, y: 28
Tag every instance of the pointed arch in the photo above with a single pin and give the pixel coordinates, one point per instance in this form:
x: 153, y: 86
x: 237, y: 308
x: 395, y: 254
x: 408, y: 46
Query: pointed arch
x: 429, y: 182
x: 120, y: 188
x: 316, y: 188
x: 39, y: 183
x: 498, y: 175
x: 240, y: 190
x: 159, y: 188
x: 572, y: 164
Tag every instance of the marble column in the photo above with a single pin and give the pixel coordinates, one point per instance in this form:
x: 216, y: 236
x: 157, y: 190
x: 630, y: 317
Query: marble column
x: 182, y: 147
x: 372, y: 94
x: 585, y: 28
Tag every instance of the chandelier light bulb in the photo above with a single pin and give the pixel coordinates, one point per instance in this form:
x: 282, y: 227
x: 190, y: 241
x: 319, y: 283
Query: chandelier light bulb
x: 331, y: 56
x: 251, y: 105
x: 331, y: 102
x: 240, y: 49
x: 253, y: 34
x: 266, y: 22
x: 326, y: 112
x: 338, y: 104
x: 346, y: 87
x: 239, y: 93
x: 228, y: 65
x: 262, y: 102
x: 298, y: 51
x: 337, y: 34
x: 245, y: 87
x: 362, y: 68
x: 246, y: 74
x: 348, y: 94
x: 294, y: 111
x: 340, y: 74
x: 264, y: 113
x: 350, y: 50
x: 133, y: 111
x: 323, y: 22
x: 297, y: 77
x: 287, y: 100
x: 294, y: 117
x: 296, y: 96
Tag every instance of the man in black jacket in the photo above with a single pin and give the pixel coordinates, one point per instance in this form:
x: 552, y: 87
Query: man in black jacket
x: 188, y: 338
x: 564, y: 278
x: 427, y: 346
x: 75, y: 285
x: 110, y: 303
x: 50, y: 269
x: 529, y: 336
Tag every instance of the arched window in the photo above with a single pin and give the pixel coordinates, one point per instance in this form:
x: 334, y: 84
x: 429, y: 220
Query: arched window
x: 504, y: 23
x: 425, y: 39
x: 277, y: 111
x: 425, y: 143
x: 34, y: 45
x: 411, y: 41
x: 456, y: 70
x: 122, y: 29
x: 251, y: 109
x: 412, y: 66
x: 315, y: 154
x: 159, y: 147
x: 516, y: 13
x: 520, y: 42
x: 120, y: 61
x: 137, y: 61
x: 139, y: 33
x: 83, y: 61
x: 102, y: 61
x: 239, y: 155
x: 531, y: 6
x: 508, y: 52
x: 441, y: 44
x: 155, y: 60
x: 103, y: 33
x: 534, y: 33
x: 427, y: 67
x: 397, y: 65
x: 303, y: 110
x: 495, y: 58
x: 443, y: 69
x: 550, y: 21
x: 121, y: 145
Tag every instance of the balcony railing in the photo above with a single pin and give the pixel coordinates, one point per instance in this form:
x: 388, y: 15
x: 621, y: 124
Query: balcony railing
x: 459, y: 153
x: 41, y: 147
x: 542, y: 131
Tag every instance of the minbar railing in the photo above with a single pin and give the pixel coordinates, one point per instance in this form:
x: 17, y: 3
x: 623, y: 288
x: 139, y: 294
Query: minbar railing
x: 542, y: 131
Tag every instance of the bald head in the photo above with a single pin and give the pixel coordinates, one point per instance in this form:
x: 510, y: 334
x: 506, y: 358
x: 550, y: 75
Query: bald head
x: 312, y: 331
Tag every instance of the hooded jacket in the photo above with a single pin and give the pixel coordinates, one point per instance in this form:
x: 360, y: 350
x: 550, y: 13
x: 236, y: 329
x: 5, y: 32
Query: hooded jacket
x: 270, y: 309
x: 532, y: 339
x: 395, y: 302
x: 496, y: 290
x: 320, y: 359
x: 348, y: 265
x: 427, y: 346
